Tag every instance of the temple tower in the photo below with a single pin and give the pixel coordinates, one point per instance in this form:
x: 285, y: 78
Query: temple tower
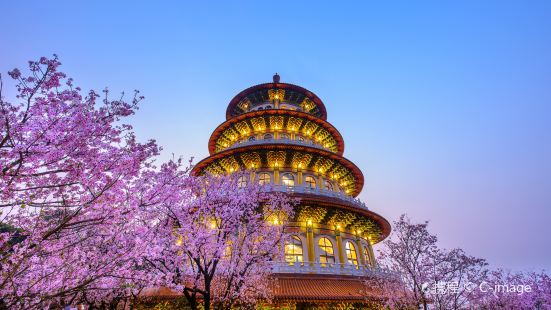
x: 280, y: 133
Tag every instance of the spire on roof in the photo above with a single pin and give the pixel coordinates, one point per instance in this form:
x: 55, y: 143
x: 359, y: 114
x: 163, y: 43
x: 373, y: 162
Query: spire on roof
x: 276, y: 78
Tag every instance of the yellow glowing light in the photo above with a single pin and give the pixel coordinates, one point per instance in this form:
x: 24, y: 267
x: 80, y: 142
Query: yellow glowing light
x: 276, y: 96
x: 213, y: 224
x: 338, y: 227
x: 276, y: 221
x: 309, y: 223
x: 358, y: 232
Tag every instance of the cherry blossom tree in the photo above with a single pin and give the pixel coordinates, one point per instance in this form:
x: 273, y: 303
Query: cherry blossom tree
x: 219, y: 238
x: 67, y: 172
x: 87, y: 218
x: 503, y: 289
x: 430, y: 275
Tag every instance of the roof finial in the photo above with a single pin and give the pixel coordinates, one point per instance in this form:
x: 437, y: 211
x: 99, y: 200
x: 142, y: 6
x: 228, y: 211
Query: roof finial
x: 276, y: 78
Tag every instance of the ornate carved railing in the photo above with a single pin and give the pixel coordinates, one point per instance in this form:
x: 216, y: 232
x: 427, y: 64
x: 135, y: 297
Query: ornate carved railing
x: 333, y: 269
x: 322, y: 192
x: 279, y: 141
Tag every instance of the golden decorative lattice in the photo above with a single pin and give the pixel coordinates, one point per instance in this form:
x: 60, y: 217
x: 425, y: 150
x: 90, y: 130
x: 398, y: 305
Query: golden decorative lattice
x: 229, y: 164
x: 243, y: 128
x: 276, y: 122
x: 364, y: 225
x: 323, y: 164
x: 245, y: 104
x: 341, y: 218
x: 338, y: 172
x: 259, y: 124
x: 276, y: 94
x: 293, y: 123
x: 301, y: 160
x: 309, y: 128
x: 231, y: 134
x: 307, y: 105
x: 251, y: 160
x: 214, y: 168
x: 276, y: 158
x: 316, y: 214
x: 347, y: 183
x: 321, y: 135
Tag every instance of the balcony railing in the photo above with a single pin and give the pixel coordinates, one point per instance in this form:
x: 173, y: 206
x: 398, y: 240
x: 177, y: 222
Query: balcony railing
x: 279, y: 141
x: 322, y: 192
x: 332, y: 269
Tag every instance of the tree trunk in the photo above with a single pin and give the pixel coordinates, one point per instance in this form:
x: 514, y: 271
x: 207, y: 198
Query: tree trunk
x: 206, y: 297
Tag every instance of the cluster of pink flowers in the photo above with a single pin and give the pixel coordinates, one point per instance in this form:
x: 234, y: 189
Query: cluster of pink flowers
x: 86, y: 217
x: 433, y: 277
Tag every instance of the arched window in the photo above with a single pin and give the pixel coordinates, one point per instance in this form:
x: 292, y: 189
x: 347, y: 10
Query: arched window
x: 327, y: 185
x: 351, y: 254
x: 264, y: 178
x: 310, y: 181
x: 293, y: 250
x: 252, y: 138
x: 327, y: 255
x: 366, y: 254
x: 284, y: 136
x: 242, y: 181
x: 268, y: 107
x: 268, y: 136
x: 260, y: 108
x: 288, y: 179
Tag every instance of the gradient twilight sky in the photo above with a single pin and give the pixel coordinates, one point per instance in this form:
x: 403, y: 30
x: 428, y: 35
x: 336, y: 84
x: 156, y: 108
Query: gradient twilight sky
x: 444, y: 105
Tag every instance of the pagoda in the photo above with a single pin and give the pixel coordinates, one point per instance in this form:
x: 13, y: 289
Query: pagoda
x: 280, y: 133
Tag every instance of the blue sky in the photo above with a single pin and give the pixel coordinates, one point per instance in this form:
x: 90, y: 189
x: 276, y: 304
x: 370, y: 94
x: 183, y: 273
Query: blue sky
x: 445, y: 106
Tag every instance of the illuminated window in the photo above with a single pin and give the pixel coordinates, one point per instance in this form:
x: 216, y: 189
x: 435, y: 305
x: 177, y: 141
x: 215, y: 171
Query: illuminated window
x: 242, y: 181
x: 300, y: 138
x: 284, y: 136
x: 253, y: 138
x: 288, y: 179
x: 264, y: 178
x: 268, y: 136
x: 327, y: 255
x: 351, y: 253
x: 366, y: 254
x: 310, y: 181
x: 327, y: 185
x: 293, y: 250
